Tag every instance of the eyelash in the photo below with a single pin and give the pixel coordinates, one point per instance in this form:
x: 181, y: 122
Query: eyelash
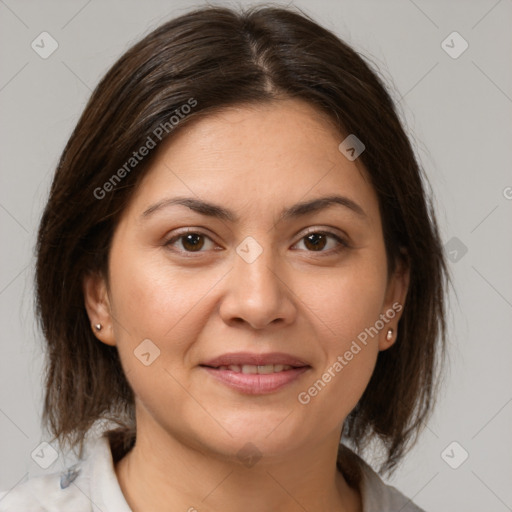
x: 191, y: 254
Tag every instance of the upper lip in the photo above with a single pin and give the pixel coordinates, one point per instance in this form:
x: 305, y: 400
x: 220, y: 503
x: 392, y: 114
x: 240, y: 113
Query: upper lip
x: 241, y: 358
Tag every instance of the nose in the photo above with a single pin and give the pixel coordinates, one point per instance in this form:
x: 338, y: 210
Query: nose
x: 258, y: 293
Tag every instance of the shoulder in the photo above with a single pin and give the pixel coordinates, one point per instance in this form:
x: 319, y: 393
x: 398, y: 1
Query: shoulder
x: 47, y: 493
x: 381, y: 497
x: 376, y: 495
x: 87, y: 486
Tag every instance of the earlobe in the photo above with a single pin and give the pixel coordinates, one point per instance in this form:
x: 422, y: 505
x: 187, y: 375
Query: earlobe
x: 97, y: 305
x: 387, y: 339
x: 396, y: 293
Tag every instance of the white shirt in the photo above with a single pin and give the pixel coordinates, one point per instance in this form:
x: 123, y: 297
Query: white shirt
x: 91, y: 485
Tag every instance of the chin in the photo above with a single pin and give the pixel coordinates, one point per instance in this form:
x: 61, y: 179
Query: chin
x: 256, y: 439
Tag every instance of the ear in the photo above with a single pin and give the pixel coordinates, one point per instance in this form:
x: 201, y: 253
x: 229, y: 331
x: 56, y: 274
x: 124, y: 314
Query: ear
x: 97, y: 304
x: 394, y: 303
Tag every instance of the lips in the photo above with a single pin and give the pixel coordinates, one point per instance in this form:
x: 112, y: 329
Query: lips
x: 252, y: 359
x: 256, y: 374
x: 259, y: 369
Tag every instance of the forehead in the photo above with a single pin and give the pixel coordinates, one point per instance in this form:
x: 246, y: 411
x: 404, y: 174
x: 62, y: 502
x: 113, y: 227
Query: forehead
x: 264, y: 156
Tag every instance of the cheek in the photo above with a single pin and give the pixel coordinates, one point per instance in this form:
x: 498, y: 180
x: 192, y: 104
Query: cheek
x: 154, y: 302
x: 152, y: 299
x: 348, y: 301
x: 345, y: 308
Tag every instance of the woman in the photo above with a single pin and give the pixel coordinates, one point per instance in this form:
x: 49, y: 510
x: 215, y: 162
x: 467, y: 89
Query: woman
x: 238, y: 264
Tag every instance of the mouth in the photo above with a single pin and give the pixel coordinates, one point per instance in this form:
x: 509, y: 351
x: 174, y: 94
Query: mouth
x: 256, y: 374
x: 251, y: 369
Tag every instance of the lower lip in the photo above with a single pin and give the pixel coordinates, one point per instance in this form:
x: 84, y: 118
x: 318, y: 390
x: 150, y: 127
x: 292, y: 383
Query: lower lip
x: 255, y: 383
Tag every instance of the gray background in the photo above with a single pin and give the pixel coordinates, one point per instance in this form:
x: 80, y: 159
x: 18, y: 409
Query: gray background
x: 458, y: 112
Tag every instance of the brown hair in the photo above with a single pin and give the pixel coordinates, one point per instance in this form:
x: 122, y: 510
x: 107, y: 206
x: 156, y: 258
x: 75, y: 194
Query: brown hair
x: 217, y: 57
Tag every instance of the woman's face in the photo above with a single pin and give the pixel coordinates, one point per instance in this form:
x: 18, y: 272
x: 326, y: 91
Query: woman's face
x: 260, y: 272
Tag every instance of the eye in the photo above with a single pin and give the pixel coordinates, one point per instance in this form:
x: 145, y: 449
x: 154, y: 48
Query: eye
x: 316, y: 241
x: 191, y: 241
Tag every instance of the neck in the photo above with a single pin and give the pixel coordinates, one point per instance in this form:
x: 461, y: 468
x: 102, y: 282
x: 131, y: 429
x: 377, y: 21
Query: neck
x: 163, y: 474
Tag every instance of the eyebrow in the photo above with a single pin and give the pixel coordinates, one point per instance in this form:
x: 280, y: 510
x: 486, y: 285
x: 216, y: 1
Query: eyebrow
x: 297, y: 210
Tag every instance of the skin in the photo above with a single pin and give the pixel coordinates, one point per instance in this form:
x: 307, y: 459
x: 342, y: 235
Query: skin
x: 254, y: 160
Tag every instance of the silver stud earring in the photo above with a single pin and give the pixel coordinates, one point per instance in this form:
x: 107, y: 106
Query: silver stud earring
x: 389, y: 335
x: 98, y: 327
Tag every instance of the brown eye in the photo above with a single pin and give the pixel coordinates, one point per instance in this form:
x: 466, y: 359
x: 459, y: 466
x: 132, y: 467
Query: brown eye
x: 317, y: 241
x: 190, y: 242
